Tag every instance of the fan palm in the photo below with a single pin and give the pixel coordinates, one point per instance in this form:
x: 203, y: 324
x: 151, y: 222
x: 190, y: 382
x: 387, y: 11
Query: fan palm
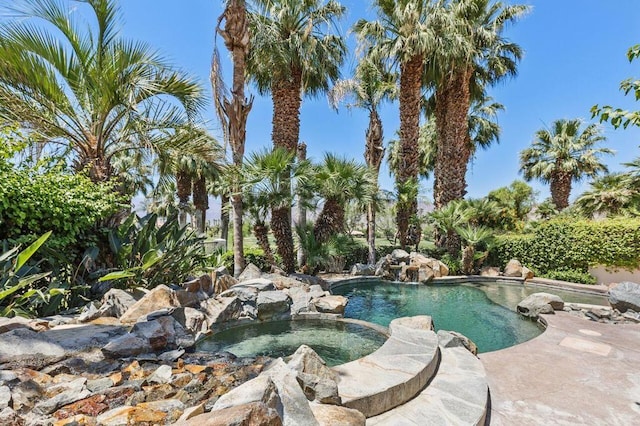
x: 472, y: 237
x: 472, y: 55
x: 405, y: 34
x: 609, y: 195
x: 562, y: 155
x: 447, y: 219
x: 233, y: 112
x: 262, y: 175
x: 340, y: 181
x: 372, y: 84
x: 85, y: 88
x: 293, y: 53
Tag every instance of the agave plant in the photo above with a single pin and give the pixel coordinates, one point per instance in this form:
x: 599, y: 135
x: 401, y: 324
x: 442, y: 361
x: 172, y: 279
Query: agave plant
x: 18, y: 293
x: 148, y: 255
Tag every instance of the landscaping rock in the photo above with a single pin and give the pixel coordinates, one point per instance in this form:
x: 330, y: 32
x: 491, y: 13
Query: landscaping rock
x: 260, y: 284
x: 161, y: 375
x: 191, y: 319
x: 300, y: 299
x: 296, y: 410
x: 540, y: 303
x: 223, y: 283
x: 5, y: 397
x: 254, y: 413
x: 452, y: 339
x: 273, y: 305
x: 333, y: 304
x: 490, y: 271
x: 261, y: 389
x: 8, y: 324
x: 9, y: 417
x: 318, y: 381
x: 75, y: 391
x: 161, y: 297
x: 20, y: 343
x: 242, y: 292
x: 281, y: 282
x: 250, y: 272
x: 398, y: 256
x: 330, y: 415
x: 116, y: 302
x: 625, y: 296
x: 513, y: 269
x: 159, y: 335
x: 311, y: 280
x: 363, y: 269
x: 527, y: 273
x: 128, y: 415
x: 221, y: 309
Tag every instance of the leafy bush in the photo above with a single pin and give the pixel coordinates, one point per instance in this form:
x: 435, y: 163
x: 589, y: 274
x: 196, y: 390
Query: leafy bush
x: 253, y: 255
x: 21, y: 289
x: 454, y: 264
x: 37, y: 200
x: 572, y: 245
x: 148, y: 255
x: 571, y: 276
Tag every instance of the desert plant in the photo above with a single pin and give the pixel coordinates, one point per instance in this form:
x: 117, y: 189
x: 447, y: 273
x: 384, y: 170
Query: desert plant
x: 147, y: 255
x: 18, y: 293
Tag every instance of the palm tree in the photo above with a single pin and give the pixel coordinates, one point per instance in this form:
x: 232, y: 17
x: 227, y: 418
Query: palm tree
x: 447, y: 219
x: 293, y: 53
x: 371, y: 86
x: 262, y: 175
x: 404, y: 34
x: 472, y: 55
x: 472, y: 236
x: 562, y: 155
x: 233, y: 112
x: 85, y: 88
x: 609, y: 195
x: 340, y: 181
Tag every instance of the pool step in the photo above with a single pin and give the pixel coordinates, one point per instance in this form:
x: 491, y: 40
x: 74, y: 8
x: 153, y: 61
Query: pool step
x: 396, y: 372
x: 458, y: 395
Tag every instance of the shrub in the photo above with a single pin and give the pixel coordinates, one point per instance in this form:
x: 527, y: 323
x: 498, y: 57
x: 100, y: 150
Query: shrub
x: 148, y: 255
x: 571, y: 276
x: 572, y: 245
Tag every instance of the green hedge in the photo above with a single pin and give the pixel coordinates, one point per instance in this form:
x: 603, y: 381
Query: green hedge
x: 572, y: 245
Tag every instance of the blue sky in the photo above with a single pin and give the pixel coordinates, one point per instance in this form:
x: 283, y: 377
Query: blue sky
x: 575, y: 57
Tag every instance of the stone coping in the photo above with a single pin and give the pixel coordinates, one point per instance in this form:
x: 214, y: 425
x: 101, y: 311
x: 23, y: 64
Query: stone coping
x: 457, y: 395
x: 396, y: 372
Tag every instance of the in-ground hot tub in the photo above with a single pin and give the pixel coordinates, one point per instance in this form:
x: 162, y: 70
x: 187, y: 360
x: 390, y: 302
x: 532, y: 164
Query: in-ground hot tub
x: 336, y: 341
x: 482, y: 311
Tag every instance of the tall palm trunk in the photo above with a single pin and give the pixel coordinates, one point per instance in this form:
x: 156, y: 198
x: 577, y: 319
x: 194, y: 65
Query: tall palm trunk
x: 224, y: 218
x: 281, y: 226
x: 261, y: 233
x: 410, y: 95
x: 286, y: 131
x: 453, y: 100
x: 560, y: 189
x: 302, y: 210
x: 374, y: 152
x: 236, y: 39
x: 330, y: 221
x: 200, y: 202
x: 183, y: 186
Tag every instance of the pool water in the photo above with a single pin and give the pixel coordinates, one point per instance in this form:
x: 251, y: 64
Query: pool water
x: 337, y: 342
x: 483, y: 313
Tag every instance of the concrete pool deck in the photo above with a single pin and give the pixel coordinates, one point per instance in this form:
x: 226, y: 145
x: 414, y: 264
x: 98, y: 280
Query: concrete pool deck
x: 577, y: 372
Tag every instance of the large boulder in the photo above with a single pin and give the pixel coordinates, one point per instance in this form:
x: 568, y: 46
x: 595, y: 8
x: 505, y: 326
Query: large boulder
x: 311, y: 280
x: 333, y: 304
x: 513, y: 269
x: 540, y: 303
x: 193, y: 320
x: 246, y: 294
x: 363, y: 270
x: 221, y: 309
x: 625, y: 296
x: 161, y: 297
x: 260, y: 284
x: 330, y: 415
x: 250, y: 414
x: 318, y: 381
x: 250, y: 272
x: 273, y: 305
x: 490, y: 271
x: 159, y: 335
x: 398, y: 256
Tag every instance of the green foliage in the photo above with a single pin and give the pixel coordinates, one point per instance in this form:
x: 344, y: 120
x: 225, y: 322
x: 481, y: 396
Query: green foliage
x: 148, y: 255
x: 454, y: 264
x: 565, y: 244
x: 571, y: 275
x: 35, y: 200
x: 22, y: 291
x: 253, y: 255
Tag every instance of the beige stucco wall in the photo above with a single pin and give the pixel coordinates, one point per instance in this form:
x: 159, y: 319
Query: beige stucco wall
x: 610, y: 275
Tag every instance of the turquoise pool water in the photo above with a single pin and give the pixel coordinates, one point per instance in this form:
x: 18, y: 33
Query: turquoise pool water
x: 336, y: 342
x: 484, y: 313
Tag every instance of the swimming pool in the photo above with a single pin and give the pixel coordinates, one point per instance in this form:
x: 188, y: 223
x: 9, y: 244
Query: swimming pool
x: 484, y: 312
